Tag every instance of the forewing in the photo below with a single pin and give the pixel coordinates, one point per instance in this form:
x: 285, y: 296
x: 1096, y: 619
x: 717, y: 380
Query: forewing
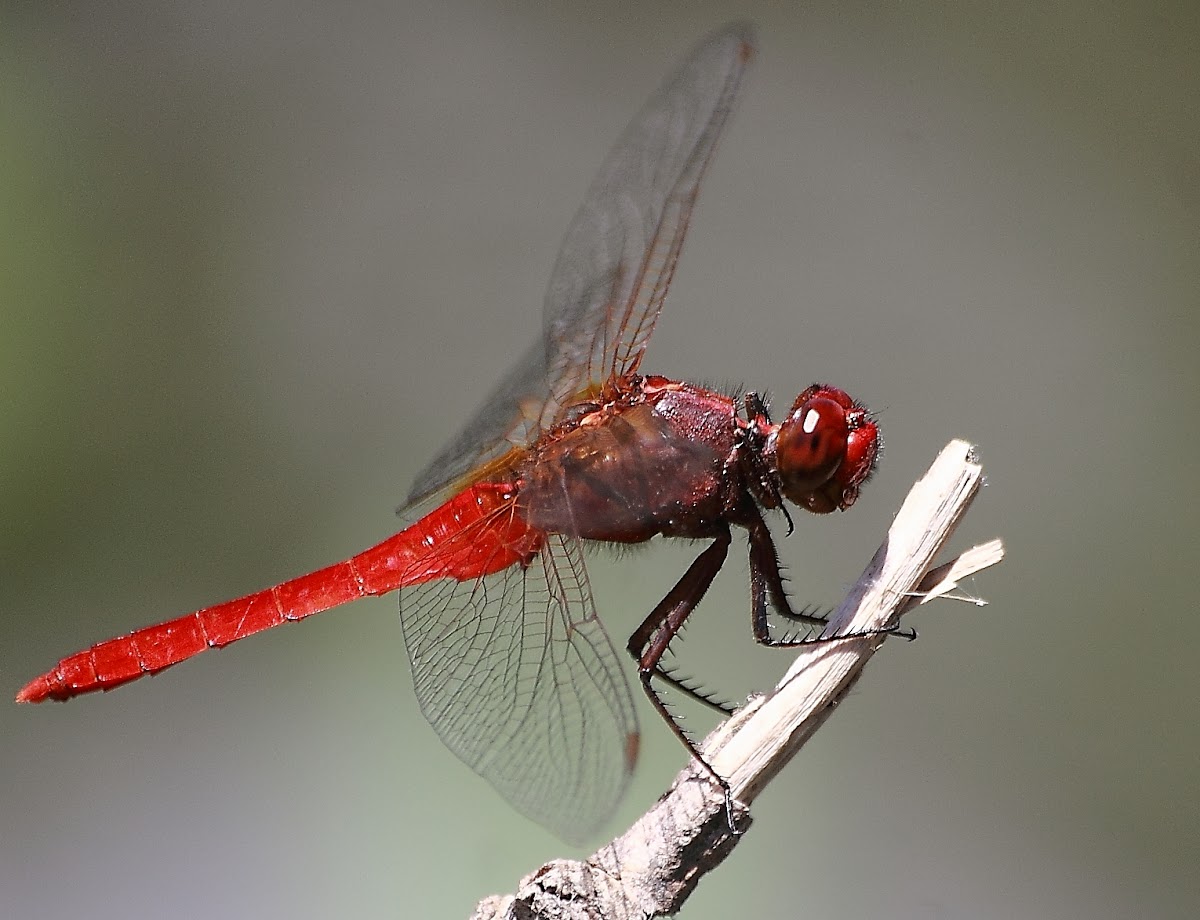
x: 615, y: 264
x: 517, y: 675
x: 619, y: 255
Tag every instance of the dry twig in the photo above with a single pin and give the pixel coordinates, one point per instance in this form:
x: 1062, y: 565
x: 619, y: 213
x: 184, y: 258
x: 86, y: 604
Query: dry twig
x: 651, y: 869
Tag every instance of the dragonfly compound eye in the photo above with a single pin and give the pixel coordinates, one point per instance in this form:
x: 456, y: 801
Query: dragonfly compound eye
x: 810, y: 449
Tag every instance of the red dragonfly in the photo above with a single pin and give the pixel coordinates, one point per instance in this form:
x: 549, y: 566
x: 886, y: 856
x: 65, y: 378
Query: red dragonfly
x: 510, y: 662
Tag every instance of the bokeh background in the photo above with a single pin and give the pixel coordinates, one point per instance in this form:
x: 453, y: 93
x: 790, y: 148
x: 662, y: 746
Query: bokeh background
x: 258, y: 260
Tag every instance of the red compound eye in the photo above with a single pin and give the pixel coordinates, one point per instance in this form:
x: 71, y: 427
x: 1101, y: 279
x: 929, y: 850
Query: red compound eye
x: 825, y: 450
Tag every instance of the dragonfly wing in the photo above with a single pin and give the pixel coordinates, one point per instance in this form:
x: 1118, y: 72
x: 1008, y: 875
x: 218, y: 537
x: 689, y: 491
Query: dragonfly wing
x: 517, y: 675
x: 619, y: 255
x: 615, y: 264
x: 508, y: 420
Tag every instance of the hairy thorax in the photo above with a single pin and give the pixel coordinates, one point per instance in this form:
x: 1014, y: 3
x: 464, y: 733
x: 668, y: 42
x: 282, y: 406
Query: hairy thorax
x: 649, y: 457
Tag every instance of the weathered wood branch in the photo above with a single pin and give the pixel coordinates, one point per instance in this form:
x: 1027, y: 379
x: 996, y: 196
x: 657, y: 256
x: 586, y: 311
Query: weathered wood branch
x: 652, y: 868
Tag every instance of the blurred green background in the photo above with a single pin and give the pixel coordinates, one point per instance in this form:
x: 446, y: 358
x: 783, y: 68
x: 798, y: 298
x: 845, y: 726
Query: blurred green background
x: 260, y: 259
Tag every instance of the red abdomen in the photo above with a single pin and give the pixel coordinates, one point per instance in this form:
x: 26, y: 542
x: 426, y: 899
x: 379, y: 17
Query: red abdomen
x: 473, y: 534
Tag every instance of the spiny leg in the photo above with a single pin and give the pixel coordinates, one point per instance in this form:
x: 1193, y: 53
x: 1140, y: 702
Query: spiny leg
x: 689, y: 688
x: 766, y: 582
x: 649, y: 641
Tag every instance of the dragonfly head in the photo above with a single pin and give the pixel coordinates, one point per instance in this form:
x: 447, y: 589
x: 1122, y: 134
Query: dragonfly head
x: 824, y: 450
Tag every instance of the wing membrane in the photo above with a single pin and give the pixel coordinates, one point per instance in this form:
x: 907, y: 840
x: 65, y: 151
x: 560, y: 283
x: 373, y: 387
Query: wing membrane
x: 517, y: 675
x: 615, y: 265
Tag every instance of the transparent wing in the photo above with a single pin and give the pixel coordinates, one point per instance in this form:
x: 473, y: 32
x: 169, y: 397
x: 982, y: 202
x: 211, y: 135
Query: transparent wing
x: 517, y: 675
x: 619, y: 255
x: 615, y: 264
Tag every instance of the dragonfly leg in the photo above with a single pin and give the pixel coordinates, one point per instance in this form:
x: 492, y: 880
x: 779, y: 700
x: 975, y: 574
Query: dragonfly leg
x: 766, y: 583
x: 649, y: 641
x: 692, y: 689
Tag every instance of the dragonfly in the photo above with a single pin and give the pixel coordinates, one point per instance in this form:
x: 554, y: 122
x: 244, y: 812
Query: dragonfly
x: 510, y: 661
